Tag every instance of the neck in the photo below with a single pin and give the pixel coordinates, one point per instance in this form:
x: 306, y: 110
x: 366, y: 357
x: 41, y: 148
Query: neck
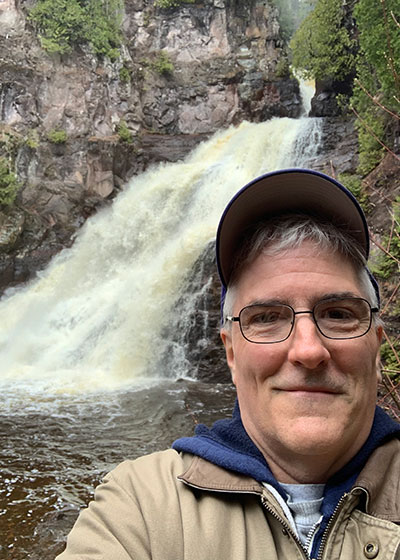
x: 291, y: 467
x: 300, y: 470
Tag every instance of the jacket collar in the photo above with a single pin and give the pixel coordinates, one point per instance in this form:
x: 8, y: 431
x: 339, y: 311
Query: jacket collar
x: 210, y: 477
x: 379, y: 479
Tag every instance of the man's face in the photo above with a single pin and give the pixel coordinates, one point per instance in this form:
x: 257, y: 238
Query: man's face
x: 308, y: 398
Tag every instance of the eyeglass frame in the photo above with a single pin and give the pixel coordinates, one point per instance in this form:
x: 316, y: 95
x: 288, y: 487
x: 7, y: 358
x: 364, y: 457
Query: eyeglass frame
x: 310, y: 312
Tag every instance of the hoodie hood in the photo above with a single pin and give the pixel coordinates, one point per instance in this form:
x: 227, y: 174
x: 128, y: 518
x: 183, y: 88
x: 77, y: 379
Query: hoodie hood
x: 227, y: 445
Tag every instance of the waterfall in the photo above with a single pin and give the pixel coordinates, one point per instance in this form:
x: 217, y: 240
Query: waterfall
x: 94, y: 318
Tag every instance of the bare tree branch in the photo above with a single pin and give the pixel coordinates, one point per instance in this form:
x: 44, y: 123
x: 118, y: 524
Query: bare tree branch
x: 362, y: 121
x: 376, y: 242
x: 394, y: 18
x: 376, y: 101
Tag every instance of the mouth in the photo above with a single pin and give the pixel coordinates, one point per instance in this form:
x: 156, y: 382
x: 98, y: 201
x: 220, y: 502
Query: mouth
x: 312, y: 391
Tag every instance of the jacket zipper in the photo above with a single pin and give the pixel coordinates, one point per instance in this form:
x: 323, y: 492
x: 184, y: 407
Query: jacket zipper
x: 311, y: 536
x: 334, y: 516
x: 328, y: 529
x: 286, y: 526
x: 331, y: 522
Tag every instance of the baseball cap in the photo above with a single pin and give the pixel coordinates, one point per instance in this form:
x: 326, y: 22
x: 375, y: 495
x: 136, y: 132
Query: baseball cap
x: 289, y: 191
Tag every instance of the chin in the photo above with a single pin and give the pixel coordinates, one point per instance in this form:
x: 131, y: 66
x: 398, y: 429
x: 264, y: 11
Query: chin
x: 317, y: 435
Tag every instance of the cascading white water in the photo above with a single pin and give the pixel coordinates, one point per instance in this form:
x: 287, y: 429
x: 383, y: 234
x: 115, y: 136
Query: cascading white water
x: 94, y: 318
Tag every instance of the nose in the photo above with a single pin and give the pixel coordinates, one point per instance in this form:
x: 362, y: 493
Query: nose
x: 307, y: 345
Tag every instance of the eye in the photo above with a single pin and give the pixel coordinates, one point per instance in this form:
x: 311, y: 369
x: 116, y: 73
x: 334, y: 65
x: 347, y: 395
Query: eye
x: 337, y: 314
x: 344, y: 312
x: 343, y: 318
x: 266, y: 317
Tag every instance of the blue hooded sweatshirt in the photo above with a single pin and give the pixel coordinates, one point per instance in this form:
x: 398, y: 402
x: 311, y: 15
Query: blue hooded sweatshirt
x: 227, y: 445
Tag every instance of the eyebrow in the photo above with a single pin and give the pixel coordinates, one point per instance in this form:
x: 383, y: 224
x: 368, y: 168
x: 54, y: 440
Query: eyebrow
x: 325, y: 297
x: 268, y: 302
x: 339, y: 295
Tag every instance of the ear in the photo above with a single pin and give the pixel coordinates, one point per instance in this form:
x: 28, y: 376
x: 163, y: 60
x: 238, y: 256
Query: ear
x: 226, y: 337
x: 378, y: 363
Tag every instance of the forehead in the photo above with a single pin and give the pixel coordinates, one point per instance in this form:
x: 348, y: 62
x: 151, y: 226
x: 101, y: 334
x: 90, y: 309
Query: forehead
x: 296, y: 275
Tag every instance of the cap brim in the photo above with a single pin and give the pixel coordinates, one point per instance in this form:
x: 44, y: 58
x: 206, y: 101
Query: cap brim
x: 282, y: 192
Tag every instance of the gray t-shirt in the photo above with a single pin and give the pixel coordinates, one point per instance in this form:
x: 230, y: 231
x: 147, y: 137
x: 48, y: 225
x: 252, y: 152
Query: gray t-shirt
x: 304, y: 501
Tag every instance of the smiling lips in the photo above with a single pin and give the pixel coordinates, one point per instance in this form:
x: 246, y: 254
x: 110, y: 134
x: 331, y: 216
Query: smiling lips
x: 311, y: 389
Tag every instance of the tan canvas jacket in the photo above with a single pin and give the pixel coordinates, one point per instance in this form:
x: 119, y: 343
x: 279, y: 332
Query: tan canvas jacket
x: 168, y: 506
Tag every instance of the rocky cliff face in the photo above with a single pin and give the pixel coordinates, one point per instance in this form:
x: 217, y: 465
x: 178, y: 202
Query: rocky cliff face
x: 225, y: 68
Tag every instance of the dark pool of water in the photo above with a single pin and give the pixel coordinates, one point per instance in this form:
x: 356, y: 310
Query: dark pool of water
x: 54, y: 451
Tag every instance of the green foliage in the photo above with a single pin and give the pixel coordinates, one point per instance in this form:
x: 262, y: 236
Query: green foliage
x: 57, y: 136
x: 63, y: 24
x: 10, y: 141
x: 125, y: 75
x: 379, y: 38
x: 371, y: 120
x: 353, y: 183
x: 32, y: 139
x: 283, y: 67
x: 146, y: 18
x: 343, y: 102
x: 124, y: 133
x: 163, y: 64
x: 9, y: 184
x: 388, y: 263
x: 113, y: 54
x: 172, y: 3
x: 370, y: 127
x: 60, y: 23
x: 105, y: 33
x: 389, y: 357
x: 378, y: 85
x: 322, y: 47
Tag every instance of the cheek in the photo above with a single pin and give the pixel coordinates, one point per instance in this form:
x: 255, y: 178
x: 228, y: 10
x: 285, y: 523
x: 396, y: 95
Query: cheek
x: 258, y: 361
x: 360, y: 363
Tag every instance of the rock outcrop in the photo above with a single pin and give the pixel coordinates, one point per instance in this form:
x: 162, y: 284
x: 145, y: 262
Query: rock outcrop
x: 226, y: 58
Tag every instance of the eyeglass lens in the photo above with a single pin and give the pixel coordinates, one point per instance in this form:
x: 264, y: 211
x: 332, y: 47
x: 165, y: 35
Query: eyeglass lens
x: 338, y: 318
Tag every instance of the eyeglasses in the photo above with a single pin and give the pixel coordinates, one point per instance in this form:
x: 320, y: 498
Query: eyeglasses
x: 337, y: 318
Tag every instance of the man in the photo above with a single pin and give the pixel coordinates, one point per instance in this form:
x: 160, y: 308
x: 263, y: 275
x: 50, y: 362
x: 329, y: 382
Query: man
x: 307, y: 467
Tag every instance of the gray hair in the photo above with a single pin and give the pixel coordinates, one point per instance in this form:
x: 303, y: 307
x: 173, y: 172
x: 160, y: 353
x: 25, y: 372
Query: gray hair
x: 287, y: 232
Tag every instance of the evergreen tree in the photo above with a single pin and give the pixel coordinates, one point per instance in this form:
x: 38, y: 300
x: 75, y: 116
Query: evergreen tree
x: 379, y: 38
x: 322, y: 47
x: 376, y: 96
